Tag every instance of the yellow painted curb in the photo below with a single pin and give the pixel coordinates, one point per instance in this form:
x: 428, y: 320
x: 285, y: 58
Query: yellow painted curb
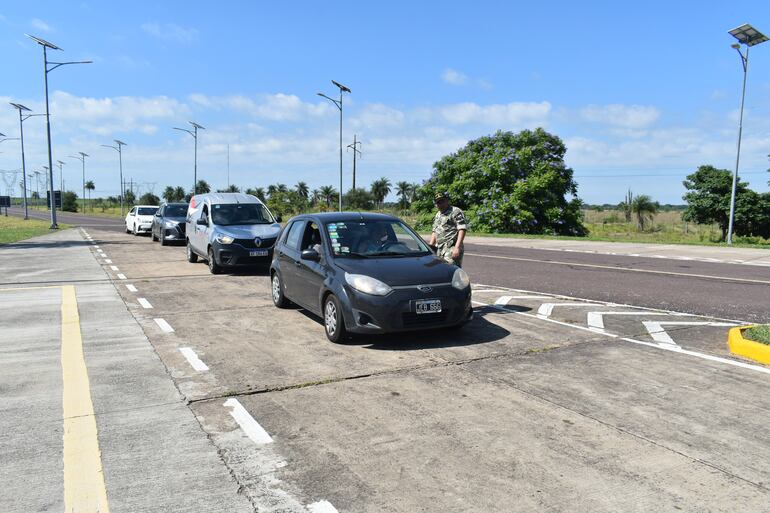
x: 742, y: 346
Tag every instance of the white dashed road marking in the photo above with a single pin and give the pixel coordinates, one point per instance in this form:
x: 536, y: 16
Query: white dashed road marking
x: 658, y: 334
x: 114, y: 268
x: 251, y: 427
x: 504, y: 300
x: 131, y: 288
x: 163, y: 325
x: 144, y: 303
x: 107, y: 261
x: 322, y: 507
x: 193, y: 359
x: 122, y: 276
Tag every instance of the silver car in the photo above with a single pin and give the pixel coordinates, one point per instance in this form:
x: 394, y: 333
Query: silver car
x: 230, y: 230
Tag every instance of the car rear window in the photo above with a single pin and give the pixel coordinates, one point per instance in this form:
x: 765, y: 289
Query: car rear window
x: 147, y: 211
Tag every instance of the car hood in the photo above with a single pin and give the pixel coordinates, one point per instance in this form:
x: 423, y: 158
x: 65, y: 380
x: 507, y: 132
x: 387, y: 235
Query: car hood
x: 175, y: 219
x: 249, y: 231
x: 400, y: 271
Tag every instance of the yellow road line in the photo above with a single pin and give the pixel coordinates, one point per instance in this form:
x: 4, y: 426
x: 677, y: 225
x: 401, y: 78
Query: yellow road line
x: 16, y: 289
x: 84, y: 488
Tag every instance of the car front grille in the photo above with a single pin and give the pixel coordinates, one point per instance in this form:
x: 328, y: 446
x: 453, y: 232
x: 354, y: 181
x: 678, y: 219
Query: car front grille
x: 249, y: 243
x: 411, y: 319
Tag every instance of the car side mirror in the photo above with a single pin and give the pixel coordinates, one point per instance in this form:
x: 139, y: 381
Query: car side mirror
x: 311, y: 254
x: 202, y: 222
x: 157, y: 214
x: 278, y: 219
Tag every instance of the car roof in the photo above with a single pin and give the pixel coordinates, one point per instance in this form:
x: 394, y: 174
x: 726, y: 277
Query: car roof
x: 224, y: 197
x: 330, y: 217
x: 180, y: 203
x: 146, y: 206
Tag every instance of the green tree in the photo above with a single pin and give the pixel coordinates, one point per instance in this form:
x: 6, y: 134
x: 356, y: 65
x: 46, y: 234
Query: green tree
x: 358, y: 199
x: 644, y: 209
x: 404, y: 192
x: 230, y: 188
x: 90, y: 187
x: 627, y: 205
x: 708, y: 198
x: 179, y: 194
x: 329, y: 194
x: 129, y: 197
x: 286, y: 203
x: 509, y: 182
x: 169, y: 194
x: 203, y: 187
x: 302, y: 189
x: 258, y: 192
x: 315, y: 196
x: 69, y: 202
x: 380, y: 189
x: 149, y: 198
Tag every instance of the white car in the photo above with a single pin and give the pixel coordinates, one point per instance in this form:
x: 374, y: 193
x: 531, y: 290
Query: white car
x: 139, y: 219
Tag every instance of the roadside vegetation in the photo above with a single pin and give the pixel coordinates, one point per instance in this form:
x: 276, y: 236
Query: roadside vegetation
x: 759, y: 333
x: 14, y: 229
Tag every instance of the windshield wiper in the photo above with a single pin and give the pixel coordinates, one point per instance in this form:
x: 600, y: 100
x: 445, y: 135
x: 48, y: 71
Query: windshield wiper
x: 353, y: 253
x: 388, y: 253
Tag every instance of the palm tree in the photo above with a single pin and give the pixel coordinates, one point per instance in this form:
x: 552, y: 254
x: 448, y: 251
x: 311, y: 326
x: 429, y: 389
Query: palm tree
x: 169, y: 194
x: 203, y: 187
x: 315, y: 196
x: 272, y: 189
x: 232, y: 188
x: 645, y: 209
x: 179, y: 193
x: 302, y: 190
x: 328, y: 193
x: 282, y: 187
x: 380, y: 189
x: 404, y: 191
x: 90, y: 187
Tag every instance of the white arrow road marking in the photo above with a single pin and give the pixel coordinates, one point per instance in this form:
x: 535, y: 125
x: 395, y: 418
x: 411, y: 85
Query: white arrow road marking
x: 504, y: 300
x: 249, y: 426
x: 144, y: 303
x: 131, y: 288
x: 192, y: 358
x: 595, y: 320
x: 546, y: 309
x: 322, y: 507
x: 658, y: 334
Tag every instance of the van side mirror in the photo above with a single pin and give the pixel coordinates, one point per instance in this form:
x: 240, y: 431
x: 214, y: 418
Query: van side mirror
x: 310, y: 254
x: 202, y: 221
x: 278, y: 219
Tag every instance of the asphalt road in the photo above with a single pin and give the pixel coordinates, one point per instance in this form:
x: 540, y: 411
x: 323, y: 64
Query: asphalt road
x: 720, y: 290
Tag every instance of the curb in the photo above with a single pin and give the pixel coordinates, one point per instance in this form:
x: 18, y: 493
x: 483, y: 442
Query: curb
x: 744, y: 347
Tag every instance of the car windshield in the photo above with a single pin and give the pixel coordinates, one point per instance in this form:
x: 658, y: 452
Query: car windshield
x: 372, y: 239
x: 175, y: 211
x: 240, y: 213
x: 146, y: 211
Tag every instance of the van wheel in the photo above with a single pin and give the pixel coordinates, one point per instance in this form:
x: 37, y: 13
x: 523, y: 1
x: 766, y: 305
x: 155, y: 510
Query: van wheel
x: 276, y: 287
x: 192, y: 257
x: 214, y: 267
x: 334, y: 322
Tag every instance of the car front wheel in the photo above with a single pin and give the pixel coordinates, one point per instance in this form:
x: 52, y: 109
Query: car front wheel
x: 214, y: 267
x: 152, y: 235
x: 192, y: 257
x: 334, y: 323
x: 162, y: 237
x: 134, y: 231
x: 276, y: 287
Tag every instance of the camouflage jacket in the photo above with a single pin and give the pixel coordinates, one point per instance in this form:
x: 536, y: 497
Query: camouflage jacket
x: 446, y: 225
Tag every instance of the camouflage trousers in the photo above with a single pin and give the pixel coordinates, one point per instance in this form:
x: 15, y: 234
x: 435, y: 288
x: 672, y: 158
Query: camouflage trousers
x: 445, y: 253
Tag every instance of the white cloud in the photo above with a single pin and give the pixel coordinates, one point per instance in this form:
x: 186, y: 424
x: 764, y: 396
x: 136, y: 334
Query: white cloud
x: 272, y: 107
x: 626, y: 116
x: 170, y: 31
x: 454, y: 77
x: 40, y: 25
x: 506, y: 116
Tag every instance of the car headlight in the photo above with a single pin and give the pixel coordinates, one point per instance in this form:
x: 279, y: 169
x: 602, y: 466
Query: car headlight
x: 170, y: 224
x: 367, y: 284
x: 224, y: 239
x: 460, y: 279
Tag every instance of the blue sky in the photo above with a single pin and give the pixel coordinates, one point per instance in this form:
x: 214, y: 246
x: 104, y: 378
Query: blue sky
x: 641, y: 93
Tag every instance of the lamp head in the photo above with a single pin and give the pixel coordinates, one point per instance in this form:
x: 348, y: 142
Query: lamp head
x: 735, y: 45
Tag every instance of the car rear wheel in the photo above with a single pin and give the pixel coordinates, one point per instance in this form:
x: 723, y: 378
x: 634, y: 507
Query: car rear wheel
x: 192, y: 257
x: 334, y: 323
x: 214, y: 267
x: 276, y: 287
x: 128, y: 230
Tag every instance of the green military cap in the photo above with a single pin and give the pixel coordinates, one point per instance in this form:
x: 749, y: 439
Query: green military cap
x: 440, y: 196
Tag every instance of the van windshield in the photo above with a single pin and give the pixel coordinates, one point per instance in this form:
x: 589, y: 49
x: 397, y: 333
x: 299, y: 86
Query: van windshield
x: 240, y: 213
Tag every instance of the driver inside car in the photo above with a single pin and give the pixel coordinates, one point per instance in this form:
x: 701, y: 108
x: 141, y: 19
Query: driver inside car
x: 375, y: 240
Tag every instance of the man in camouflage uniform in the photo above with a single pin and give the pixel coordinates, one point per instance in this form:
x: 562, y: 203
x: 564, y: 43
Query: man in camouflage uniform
x: 449, y: 229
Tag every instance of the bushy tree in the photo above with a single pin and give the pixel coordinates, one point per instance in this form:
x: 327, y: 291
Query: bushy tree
x: 149, y: 198
x: 129, y: 197
x: 69, y: 202
x: 286, y: 203
x: 358, y: 199
x: 708, y: 199
x: 509, y: 182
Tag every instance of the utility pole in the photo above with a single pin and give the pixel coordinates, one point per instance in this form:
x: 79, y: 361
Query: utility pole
x: 228, y: 166
x: 354, y: 146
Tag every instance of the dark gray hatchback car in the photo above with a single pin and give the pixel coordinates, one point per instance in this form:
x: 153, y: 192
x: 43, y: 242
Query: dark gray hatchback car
x: 168, y: 224
x: 366, y: 273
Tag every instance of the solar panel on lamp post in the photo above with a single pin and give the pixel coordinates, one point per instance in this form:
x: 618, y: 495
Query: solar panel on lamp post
x: 46, y: 45
x: 194, y: 134
x: 119, y: 148
x: 749, y: 36
x: 338, y: 103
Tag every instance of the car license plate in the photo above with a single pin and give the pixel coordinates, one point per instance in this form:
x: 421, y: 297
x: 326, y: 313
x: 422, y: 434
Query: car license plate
x: 428, y: 306
x: 258, y: 252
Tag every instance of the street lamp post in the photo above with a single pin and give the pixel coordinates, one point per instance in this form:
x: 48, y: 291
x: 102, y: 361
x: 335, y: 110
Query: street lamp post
x: 22, y: 118
x: 82, y: 158
x: 338, y: 103
x: 46, y: 45
x: 748, y: 35
x: 61, y: 177
x: 194, y: 134
x: 119, y: 148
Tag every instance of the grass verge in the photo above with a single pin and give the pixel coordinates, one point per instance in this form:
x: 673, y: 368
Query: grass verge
x: 759, y: 334
x: 14, y: 229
